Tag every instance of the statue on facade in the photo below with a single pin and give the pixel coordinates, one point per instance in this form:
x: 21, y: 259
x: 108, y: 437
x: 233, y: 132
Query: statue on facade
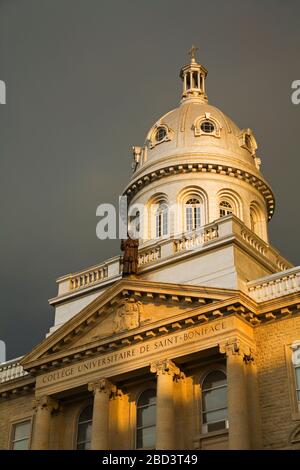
x: 127, y: 315
x: 130, y: 258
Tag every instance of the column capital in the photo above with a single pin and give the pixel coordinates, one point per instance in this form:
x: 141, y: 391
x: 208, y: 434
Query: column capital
x: 164, y: 367
x: 102, y: 386
x: 235, y: 347
x: 45, y: 402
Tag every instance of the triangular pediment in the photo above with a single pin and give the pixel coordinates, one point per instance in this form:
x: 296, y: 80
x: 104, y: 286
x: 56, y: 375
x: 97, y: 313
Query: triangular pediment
x: 127, y: 308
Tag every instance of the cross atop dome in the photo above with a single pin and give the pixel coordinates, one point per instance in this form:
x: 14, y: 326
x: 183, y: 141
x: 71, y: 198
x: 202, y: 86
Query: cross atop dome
x: 193, y: 76
x: 192, y: 53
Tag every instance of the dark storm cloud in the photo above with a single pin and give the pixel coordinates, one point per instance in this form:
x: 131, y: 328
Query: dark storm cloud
x: 85, y: 80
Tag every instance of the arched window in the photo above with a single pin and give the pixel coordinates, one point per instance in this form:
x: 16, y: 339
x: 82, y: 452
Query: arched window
x: 225, y: 208
x: 214, y: 401
x: 257, y: 220
x: 192, y: 214
x: 84, y: 428
x: 161, y: 220
x: 146, y: 420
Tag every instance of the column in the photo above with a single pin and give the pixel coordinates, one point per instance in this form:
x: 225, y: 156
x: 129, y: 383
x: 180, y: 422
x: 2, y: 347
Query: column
x: 237, y: 400
x: 102, y: 390
x: 165, y: 371
x: 253, y: 401
x: 43, y: 410
x: 184, y: 81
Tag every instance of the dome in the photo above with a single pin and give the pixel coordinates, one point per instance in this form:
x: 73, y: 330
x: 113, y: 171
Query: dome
x: 197, y: 153
x: 198, y: 130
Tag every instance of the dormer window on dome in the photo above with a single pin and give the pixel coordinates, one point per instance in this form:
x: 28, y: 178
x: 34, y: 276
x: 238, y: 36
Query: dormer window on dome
x: 247, y: 141
x: 207, y: 125
x: 159, y: 134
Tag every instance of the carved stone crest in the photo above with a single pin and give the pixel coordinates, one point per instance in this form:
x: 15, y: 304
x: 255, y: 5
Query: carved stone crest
x: 127, y: 315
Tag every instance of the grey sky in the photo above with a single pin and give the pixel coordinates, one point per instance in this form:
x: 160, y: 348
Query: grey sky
x: 85, y: 81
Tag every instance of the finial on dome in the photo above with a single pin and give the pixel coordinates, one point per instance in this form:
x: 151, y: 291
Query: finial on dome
x: 193, y: 76
x: 192, y: 53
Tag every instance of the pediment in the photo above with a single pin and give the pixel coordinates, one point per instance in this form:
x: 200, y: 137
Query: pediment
x: 128, y: 307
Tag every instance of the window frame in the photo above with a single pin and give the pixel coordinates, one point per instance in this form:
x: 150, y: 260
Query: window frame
x: 297, y: 385
x: 210, y: 124
x: 292, y: 384
x: 154, y: 389
x: 158, y: 138
x: 204, y: 426
x: 13, y: 424
x: 81, y: 410
x: 161, y: 220
x: 194, y: 217
x: 152, y: 136
x: 225, y: 208
x: 207, y: 117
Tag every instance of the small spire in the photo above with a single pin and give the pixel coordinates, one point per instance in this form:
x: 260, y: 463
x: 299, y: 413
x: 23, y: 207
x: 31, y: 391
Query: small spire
x: 192, y: 53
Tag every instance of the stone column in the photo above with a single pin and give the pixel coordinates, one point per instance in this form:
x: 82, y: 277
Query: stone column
x: 237, y: 399
x: 102, y: 390
x: 165, y: 423
x: 43, y: 410
x: 253, y: 403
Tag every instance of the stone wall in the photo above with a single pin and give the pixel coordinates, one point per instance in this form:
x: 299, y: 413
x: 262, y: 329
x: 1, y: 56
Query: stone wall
x: 275, y: 388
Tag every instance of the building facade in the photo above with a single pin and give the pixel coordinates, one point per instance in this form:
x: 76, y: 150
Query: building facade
x: 200, y: 349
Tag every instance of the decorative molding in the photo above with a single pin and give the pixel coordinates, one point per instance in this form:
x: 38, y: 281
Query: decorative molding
x: 207, y: 117
x: 17, y: 387
x: 46, y: 402
x: 295, y: 347
x: 234, y: 346
x: 152, y: 142
x: 127, y: 315
x: 253, y: 180
x: 165, y: 367
x: 102, y: 386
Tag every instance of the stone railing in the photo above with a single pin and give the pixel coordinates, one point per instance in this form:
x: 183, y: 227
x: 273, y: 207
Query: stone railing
x: 256, y: 242
x: 260, y: 246
x: 276, y: 285
x: 149, y: 256
x: 194, y: 240
x: 11, y: 370
x: 88, y: 277
x: 152, y: 253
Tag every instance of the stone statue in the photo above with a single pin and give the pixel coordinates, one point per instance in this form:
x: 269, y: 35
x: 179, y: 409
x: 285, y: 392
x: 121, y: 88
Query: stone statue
x: 130, y: 257
x: 127, y: 315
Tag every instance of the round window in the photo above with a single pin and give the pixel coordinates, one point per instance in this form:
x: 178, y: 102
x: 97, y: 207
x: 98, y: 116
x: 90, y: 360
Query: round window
x: 160, y: 134
x: 207, y: 127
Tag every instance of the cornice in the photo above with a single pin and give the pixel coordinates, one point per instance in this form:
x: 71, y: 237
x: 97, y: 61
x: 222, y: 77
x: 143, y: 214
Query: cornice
x: 135, y: 287
x: 255, y: 181
x: 196, y: 316
x: 239, y: 305
x: 17, y: 387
